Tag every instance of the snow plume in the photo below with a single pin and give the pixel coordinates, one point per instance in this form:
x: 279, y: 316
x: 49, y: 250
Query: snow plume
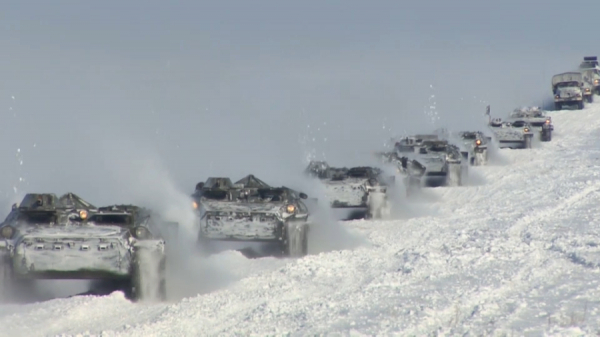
x: 431, y: 110
x: 145, y: 181
x: 326, y: 233
x: 401, y: 206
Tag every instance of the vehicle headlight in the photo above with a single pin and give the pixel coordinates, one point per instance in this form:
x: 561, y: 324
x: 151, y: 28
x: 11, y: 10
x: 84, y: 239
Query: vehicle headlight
x: 478, y: 142
x: 587, y: 89
x: 547, y: 121
x: 596, y: 81
x: 141, y: 232
x: 526, y: 129
x: 7, y: 232
x: 557, y: 96
x: 290, y: 208
x: 83, y: 214
x: 195, y: 205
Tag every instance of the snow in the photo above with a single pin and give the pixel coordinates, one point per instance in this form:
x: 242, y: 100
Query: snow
x: 516, y: 255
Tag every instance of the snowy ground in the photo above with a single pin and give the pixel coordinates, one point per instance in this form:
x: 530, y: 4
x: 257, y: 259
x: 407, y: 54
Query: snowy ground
x: 518, y: 253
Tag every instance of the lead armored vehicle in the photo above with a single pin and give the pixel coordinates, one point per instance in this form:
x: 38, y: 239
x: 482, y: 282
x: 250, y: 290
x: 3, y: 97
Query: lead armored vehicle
x: 517, y: 134
x: 362, y: 189
x: 568, y: 89
x: 46, y: 237
x: 537, y: 118
x: 252, y: 211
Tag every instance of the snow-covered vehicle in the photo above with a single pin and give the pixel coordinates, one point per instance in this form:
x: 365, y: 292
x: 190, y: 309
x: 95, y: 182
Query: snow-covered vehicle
x: 252, y: 211
x: 360, y: 188
x: 588, y: 84
x: 567, y: 89
x: 475, y: 144
x: 517, y: 134
x: 428, y: 159
x: 590, y: 65
x: 443, y: 162
x: 46, y: 237
x: 537, y: 118
x: 411, y: 170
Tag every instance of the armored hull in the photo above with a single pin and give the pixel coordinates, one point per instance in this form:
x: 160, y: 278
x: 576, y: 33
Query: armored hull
x: 241, y: 221
x: 86, y: 252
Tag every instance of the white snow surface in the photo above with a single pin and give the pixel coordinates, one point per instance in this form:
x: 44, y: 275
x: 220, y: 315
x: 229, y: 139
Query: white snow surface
x: 516, y: 255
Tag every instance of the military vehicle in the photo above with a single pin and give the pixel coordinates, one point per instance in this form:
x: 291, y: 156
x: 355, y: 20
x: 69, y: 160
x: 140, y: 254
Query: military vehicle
x: 475, y: 144
x: 428, y: 160
x: 411, y: 170
x: 517, y: 134
x: 567, y: 89
x: 443, y: 162
x: 537, y: 118
x: 252, y: 211
x: 588, y: 84
x: 362, y: 189
x: 46, y: 237
x: 590, y: 65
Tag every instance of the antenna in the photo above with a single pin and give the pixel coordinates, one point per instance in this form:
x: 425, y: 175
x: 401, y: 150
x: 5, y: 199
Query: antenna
x: 544, y: 76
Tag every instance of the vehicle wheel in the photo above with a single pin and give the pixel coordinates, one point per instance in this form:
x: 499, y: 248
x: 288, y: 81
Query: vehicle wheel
x: 6, y: 280
x: 296, y: 240
x: 557, y: 106
x: 528, y: 142
x: 580, y: 105
x: 454, y: 176
x: 148, y: 277
x: 546, y: 137
x: 11, y: 288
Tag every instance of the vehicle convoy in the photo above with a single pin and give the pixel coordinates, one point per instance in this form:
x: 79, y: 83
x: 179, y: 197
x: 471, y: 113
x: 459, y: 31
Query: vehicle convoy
x: 363, y: 189
x: 537, y: 118
x: 568, y: 89
x: 590, y: 65
x: 46, y: 237
x: 252, y: 211
x: 517, y: 134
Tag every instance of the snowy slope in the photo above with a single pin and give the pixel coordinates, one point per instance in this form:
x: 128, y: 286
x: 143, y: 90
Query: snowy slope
x: 516, y: 254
